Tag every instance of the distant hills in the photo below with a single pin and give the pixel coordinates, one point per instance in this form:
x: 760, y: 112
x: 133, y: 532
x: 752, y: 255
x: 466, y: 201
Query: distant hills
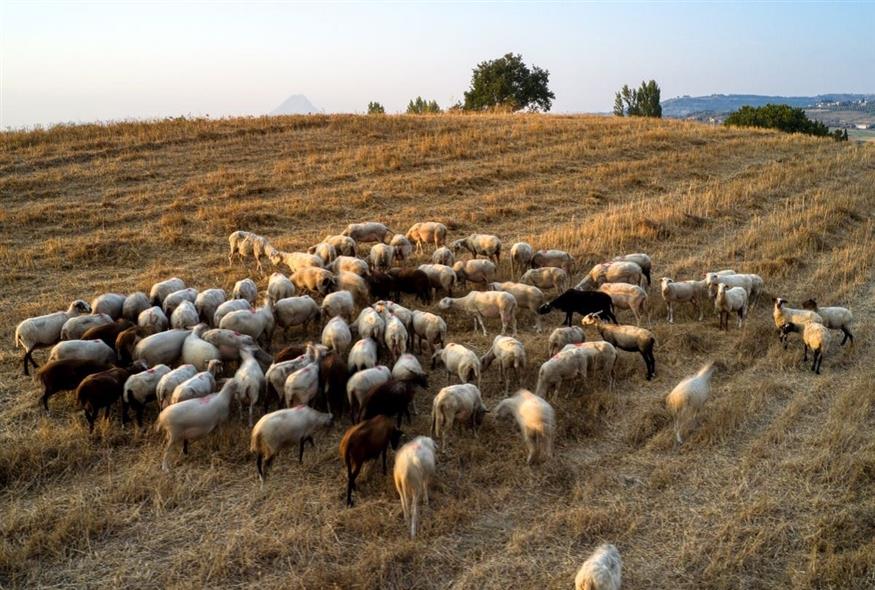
x: 296, y: 104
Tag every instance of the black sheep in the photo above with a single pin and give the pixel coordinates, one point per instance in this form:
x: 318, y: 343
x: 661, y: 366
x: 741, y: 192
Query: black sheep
x: 582, y: 302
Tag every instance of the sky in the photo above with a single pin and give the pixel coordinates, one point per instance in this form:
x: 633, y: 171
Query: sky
x: 98, y: 61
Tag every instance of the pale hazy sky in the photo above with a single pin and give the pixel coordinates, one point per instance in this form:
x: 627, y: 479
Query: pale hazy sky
x: 86, y: 61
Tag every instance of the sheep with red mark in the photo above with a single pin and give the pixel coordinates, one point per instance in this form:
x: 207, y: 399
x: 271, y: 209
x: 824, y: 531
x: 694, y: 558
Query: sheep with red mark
x: 200, y: 385
x: 173, y: 300
x: 153, y: 319
x: 457, y: 359
x: 141, y: 388
x: 477, y: 271
x: 336, y: 335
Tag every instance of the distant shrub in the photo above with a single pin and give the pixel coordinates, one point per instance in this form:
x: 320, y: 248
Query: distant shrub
x: 777, y: 116
x: 840, y: 135
x: 643, y: 102
x: 375, y: 108
x: 421, y: 107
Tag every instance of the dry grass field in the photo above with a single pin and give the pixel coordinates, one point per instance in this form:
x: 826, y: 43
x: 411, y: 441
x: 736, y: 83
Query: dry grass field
x: 776, y: 489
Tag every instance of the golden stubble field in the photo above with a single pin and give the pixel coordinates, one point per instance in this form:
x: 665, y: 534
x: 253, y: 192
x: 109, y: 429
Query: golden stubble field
x: 774, y: 490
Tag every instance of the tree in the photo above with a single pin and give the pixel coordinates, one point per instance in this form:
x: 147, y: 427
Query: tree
x: 777, y: 116
x: 507, y: 83
x: 643, y: 102
x: 420, y: 106
x: 375, y: 108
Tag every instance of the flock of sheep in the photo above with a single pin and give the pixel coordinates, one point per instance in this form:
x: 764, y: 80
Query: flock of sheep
x: 195, y: 352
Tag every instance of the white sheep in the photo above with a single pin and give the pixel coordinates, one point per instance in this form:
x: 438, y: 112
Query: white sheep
x: 227, y: 307
x: 692, y: 292
x: 395, y: 336
x: 631, y: 297
x: 511, y: 354
x: 45, y: 330
x: 476, y: 271
x: 362, y: 355
x: 134, y: 304
x: 554, y: 258
x: 527, y: 297
x: 140, y: 388
x: 339, y: 303
x: 628, y: 338
x: 603, y: 570
x: 688, y: 397
x: 281, y: 429
x: 75, y: 327
x: 245, y: 289
x: 184, y: 316
x: 788, y: 315
x: 296, y: 261
x: 161, y: 348
x: 325, y: 251
x: 302, y: 385
x: 730, y: 280
x: 251, y: 382
x: 350, y: 264
x: 728, y: 301
x: 162, y: 289
x: 440, y: 276
x: 427, y: 232
x: 258, y: 323
x: 200, y: 385
x: 536, y: 420
x: 172, y: 301
x: 361, y: 383
x: 208, y: 302
x: 549, y: 277
x: 403, y: 247
x: 641, y: 259
x: 343, y: 245
x: 168, y: 382
x: 194, y: 419
x: 563, y: 336
x: 457, y: 359
x: 369, y: 231
x: 244, y: 243
x: 443, y: 255
x: 387, y: 308
x: 296, y: 311
x: 277, y: 373
x: 456, y: 403
x: 835, y: 318
x: 566, y: 365
x: 280, y: 287
x: 337, y: 336
x: 355, y: 284
x: 370, y: 324
x: 601, y: 357
x: 480, y: 245
x: 485, y: 304
x: 112, y: 304
x: 381, y: 256
x: 407, y: 368
x: 96, y: 351
x: 612, y: 272
x: 312, y: 279
x: 428, y: 328
x: 521, y: 255
x: 153, y: 320
x: 229, y: 343
x: 197, y: 351
x: 413, y: 470
x: 815, y: 336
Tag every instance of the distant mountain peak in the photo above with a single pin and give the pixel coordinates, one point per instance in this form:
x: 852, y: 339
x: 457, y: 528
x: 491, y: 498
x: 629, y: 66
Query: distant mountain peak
x: 296, y: 104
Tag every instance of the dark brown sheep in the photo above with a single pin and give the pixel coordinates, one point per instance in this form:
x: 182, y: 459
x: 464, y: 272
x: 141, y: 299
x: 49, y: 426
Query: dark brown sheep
x: 101, y: 390
x: 126, y: 341
x: 333, y: 375
x: 364, y: 442
x: 412, y: 281
x: 380, y: 285
x: 65, y: 375
x: 290, y: 352
x: 392, y: 398
x: 108, y: 332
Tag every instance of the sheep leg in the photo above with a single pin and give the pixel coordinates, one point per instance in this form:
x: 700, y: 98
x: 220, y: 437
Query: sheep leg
x: 90, y: 418
x: 568, y: 318
x: 259, y: 468
x: 804, y: 352
x: 848, y: 335
x: 670, y: 317
x: 185, y: 446
x: 301, y: 450
x: 351, y: 475
x: 164, y: 466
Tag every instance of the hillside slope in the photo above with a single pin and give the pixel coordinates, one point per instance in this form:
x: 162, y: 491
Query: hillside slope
x: 773, y: 490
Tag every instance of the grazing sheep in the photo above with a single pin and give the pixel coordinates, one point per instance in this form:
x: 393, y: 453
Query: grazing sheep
x: 688, y: 397
x: 278, y: 372
x: 281, y: 429
x: 370, y: 231
x: 392, y: 398
x: 381, y: 256
x: 835, y: 318
x: 65, y: 375
x: 485, y: 304
x: 456, y: 403
x: 548, y: 277
x: 429, y: 328
x: 602, y: 570
x: 396, y: 337
x: 631, y: 297
x: 162, y: 289
x: 693, y: 292
x: 787, y: 315
x: 244, y: 243
x: 339, y: 303
x: 362, y: 355
x: 258, y: 323
x: 521, y: 255
x: 536, y: 420
x: 380, y: 285
x: 350, y: 264
x: 363, y: 442
x: 230, y: 343
x: 443, y: 255
x: 168, y: 383
x: 554, y: 258
x: 440, y: 277
x: 279, y: 287
x: 333, y: 377
x: 107, y: 332
x: 184, y: 316
x: 563, y: 366
x: 153, y: 320
x: 479, y: 272
x: 251, y: 381
x: 314, y: 280
x: 582, y: 302
x: 101, y: 390
x: 126, y: 342
x: 172, y: 301
x: 360, y: 384
x: 75, y: 327
x: 714, y: 280
x: 199, y: 385
x: 84, y: 350
x: 370, y: 324
x: 414, y: 468
x: 612, y: 272
x: 527, y: 297
x: 296, y: 311
x: 815, y: 336
x: 427, y: 232
x: 141, y: 388
x: 296, y: 261
x: 641, y: 259
x: 111, y: 304
x: 343, y: 245
x: 161, y: 348
x: 601, y: 357
x: 511, y: 354
x: 560, y: 337
x: 208, y: 302
x: 480, y: 245
x: 336, y: 335
x: 728, y: 301
x: 628, y: 338
x: 457, y: 359
x: 355, y: 284
x: 387, y: 308
x: 193, y: 419
x: 135, y: 303
x: 302, y: 385
x: 245, y: 289
x: 325, y: 251
x: 403, y: 247
x: 412, y: 281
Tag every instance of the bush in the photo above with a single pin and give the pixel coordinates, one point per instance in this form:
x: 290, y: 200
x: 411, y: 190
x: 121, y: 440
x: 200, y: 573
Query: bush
x: 643, y: 102
x: 777, y: 116
x: 375, y: 108
x: 421, y: 107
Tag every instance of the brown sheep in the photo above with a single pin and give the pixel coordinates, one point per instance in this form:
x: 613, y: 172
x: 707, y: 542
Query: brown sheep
x: 364, y: 442
x: 65, y: 375
x: 107, y: 332
x: 101, y: 390
x: 413, y: 281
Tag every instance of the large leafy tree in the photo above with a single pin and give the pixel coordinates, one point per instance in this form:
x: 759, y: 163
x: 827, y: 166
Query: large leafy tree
x: 640, y: 102
x: 508, y: 83
x: 777, y: 116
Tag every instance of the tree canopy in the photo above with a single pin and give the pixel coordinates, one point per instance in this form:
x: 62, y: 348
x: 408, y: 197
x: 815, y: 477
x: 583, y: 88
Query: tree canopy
x: 508, y: 83
x: 777, y: 116
x: 375, y: 108
x: 643, y: 102
x: 418, y: 106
